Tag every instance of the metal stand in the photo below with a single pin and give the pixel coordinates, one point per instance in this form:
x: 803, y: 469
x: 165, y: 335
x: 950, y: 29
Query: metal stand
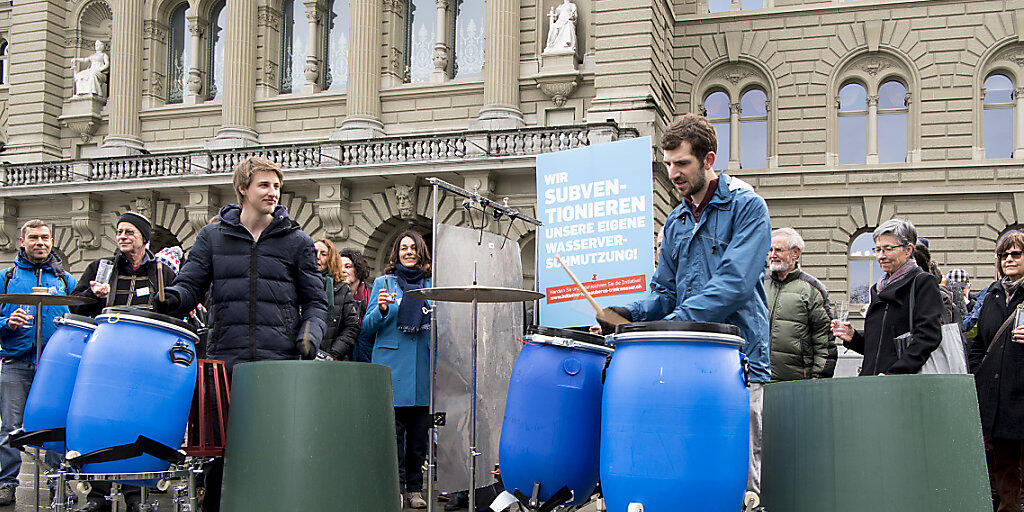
x: 183, y: 495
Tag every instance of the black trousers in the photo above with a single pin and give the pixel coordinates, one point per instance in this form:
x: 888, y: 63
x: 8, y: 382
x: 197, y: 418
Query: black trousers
x: 411, y: 429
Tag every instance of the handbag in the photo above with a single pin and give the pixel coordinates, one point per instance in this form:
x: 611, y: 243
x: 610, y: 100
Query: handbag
x: 948, y: 357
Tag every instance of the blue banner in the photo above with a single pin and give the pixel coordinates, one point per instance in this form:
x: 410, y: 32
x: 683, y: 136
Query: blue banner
x: 596, y: 205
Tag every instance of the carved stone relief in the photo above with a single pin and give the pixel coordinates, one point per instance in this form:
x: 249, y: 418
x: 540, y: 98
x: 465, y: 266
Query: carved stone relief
x: 406, y: 196
x: 85, y: 221
x: 1013, y: 53
x: 332, y: 205
x: 8, y: 225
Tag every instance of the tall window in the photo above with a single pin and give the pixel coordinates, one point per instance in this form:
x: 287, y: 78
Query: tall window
x: 853, y: 124
x: 421, y: 35
x: 336, y: 47
x: 717, y: 107
x: 864, y: 269
x: 215, y: 59
x: 179, y: 48
x: 4, y: 64
x: 754, y: 129
x: 892, y: 123
x: 998, y: 127
x: 469, y: 38
x: 294, y: 45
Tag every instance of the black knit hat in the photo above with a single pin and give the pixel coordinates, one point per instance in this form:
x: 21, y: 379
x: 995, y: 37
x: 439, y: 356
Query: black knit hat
x: 138, y: 221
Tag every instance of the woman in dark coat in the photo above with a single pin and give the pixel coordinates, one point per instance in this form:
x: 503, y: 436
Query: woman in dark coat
x: 888, y: 314
x: 998, y: 368
x: 342, y: 316
x: 356, y: 271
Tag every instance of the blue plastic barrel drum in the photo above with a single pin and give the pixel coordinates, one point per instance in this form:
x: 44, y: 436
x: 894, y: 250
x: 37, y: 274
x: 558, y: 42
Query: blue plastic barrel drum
x: 672, y: 416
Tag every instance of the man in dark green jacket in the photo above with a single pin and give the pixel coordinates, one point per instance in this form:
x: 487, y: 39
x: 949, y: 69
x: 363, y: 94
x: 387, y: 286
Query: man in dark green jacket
x: 798, y: 319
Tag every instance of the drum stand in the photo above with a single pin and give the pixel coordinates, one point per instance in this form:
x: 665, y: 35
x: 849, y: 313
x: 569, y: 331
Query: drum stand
x: 184, y: 495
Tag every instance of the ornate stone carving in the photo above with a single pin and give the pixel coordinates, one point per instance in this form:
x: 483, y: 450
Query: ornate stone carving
x: 195, y: 81
x: 872, y: 100
x: 157, y: 84
x: 196, y: 29
x: 93, y: 79
x: 155, y: 31
x: 312, y: 69
x: 267, y: 16
x: 143, y: 206
x: 734, y: 108
x: 558, y: 91
x: 440, y: 57
x: 393, y: 6
x: 562, y: 29
x: 733, y: 73
x: 85, y: 220
x: 875, y: 64
x: 82, y: 114
x: 8, y: 225
x: 314, y: 14
x: 269, y: 71
x: 406, y: 196
x: 201, y: 206
x: 332, y: 206
x: 1013, y: 53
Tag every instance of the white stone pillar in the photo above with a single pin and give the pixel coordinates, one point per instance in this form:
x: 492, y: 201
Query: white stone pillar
x: 872, y: 156
x: 1018, y: 112
x: 194, y: 84
x: 125, y: 84
x: 734, y: 136
x: 238, y: 117
x: 501, y: 67
x: 312, y: 70
x: 364, y: 68
x: 441, y: 51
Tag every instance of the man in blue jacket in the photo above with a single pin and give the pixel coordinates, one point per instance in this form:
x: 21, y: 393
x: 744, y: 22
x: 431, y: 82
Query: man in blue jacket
x: 35, y: 266
x: 711, y: 264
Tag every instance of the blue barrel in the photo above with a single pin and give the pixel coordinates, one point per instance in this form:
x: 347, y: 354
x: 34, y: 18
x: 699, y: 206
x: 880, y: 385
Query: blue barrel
x: 550, y: 433
x: 675, y: 420
x: 136, y: 378
x: 47, y: 405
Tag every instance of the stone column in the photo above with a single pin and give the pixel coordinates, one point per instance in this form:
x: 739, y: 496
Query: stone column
x: 872, y: 156
x: 1018, y: 112
x: 501, y: 67
x: 312, y: 70
x: 441, y: 53
x: 125, y: 133
x: 734, y: 136
x: 363, y: 120
x: 194, y: 89
x: 238, y: 117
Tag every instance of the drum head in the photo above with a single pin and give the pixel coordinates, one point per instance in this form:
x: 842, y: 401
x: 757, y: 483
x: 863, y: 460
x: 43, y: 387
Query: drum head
x: 665, y: 325
x: 126, y: 311
x: 69, y: 318
x: 567, y: 338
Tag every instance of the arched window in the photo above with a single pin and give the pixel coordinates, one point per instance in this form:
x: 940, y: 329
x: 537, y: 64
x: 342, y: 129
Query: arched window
x: 754, y: 129
x: 853, y: 124
x: 998, y: 120
x: 469, y: 38
x: 336, y: 47
x: 5, y: 64
x: 717, y: 107
x: 179, y: 48
x: 294, y: 45
x: 215, y: 59
x: 892, y: 122
x: 420, y: 37
x: 864, y: 269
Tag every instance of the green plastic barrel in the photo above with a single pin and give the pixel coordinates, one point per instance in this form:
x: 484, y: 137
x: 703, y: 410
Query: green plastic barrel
x: 311, y: 436
x: 895, y: 443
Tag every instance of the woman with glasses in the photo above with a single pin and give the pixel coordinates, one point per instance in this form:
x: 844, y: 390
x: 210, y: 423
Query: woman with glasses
x: 997, y: 361
x: 888, y: 316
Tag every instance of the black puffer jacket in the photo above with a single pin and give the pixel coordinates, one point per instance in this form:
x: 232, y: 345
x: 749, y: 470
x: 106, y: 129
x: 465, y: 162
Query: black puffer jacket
x: 342, y: 321
x: 888, y: 317
x: 999, y: 376
x: 265, y: 294
x: 135, y: 287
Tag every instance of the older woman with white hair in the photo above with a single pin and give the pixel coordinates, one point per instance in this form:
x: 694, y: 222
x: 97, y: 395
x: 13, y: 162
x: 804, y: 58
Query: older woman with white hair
x: 901, y: 327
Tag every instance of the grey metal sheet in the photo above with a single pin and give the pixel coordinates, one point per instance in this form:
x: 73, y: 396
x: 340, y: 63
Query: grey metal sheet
x: 456, y: 249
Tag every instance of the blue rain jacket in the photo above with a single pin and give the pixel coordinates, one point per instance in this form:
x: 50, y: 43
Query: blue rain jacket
x: 408, y: 355
x: 19, y: 343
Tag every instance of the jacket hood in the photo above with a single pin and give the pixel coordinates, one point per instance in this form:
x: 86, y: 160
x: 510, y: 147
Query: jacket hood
x: 52, y: 261
x: 231, y: 215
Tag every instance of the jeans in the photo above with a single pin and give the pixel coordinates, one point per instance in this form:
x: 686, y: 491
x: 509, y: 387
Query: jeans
x: 15, y: 381
x: 412, y: 425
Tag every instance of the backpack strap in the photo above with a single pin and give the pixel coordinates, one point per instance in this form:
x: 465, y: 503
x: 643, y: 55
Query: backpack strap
x: 8, y: 276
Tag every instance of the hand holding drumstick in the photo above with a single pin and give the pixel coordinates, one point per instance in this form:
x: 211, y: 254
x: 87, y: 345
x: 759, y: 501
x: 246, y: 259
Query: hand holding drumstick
x: 607, y: 315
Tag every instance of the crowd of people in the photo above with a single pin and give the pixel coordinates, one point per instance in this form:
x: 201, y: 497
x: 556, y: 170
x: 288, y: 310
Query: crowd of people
x: 267, y: 291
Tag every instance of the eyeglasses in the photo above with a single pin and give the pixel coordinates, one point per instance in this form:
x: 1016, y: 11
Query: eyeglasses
x: 126, y: 232
x: 886, y: 248
x: 1013, y: 254
x: 777, y: 250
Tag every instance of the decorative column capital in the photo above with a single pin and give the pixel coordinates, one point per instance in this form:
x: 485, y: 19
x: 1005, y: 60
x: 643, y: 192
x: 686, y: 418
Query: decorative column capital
x: 333, y: 200
x: 872, y: 100
x: 201, y: 205
x: 196, y: 26
x: 442, y: 5
x: 734, y: 108
x: 85, y: 220
x: 267, y: 16
x: 154, y: 30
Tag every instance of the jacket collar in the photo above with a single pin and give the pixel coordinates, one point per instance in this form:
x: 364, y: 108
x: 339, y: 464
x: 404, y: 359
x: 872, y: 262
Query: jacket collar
x: 231, y: 215
x: 793, y: 274
x: 889, y: 292
x: 724, y: 194
x: 52, y: 262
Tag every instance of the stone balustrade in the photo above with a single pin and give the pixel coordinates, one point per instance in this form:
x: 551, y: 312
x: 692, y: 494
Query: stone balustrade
x: 329, y: 154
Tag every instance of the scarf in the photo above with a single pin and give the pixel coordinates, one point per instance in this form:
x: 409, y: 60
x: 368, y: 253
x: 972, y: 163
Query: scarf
x: 1011, y: 287
x: 413, y: 315
x: 900, y: 272
x: 362, y: 297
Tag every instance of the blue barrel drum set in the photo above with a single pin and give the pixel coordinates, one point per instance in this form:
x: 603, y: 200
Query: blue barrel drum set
x: 660, y: 419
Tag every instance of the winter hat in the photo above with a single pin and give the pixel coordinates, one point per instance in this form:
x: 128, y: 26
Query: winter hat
x: 170, y: 256
x: 959, y: 276
x: 138, y: 221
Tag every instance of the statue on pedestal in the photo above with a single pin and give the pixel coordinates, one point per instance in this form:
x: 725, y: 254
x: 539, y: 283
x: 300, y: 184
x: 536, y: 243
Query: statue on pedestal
x: 93, y: 79
x: 562, y: 28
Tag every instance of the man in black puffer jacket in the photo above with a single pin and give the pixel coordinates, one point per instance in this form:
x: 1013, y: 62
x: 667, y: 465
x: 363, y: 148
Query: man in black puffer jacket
x: 268, y: 299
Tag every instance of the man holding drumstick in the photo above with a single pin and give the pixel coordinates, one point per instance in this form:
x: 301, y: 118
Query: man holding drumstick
x: 711, y: 264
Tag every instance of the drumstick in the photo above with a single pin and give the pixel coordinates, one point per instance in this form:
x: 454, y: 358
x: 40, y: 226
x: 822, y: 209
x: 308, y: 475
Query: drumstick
x: 609, y: 316
x: 160, y: 281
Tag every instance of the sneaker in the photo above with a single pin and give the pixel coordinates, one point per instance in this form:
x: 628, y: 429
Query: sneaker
x: 415, y: 500
x: 459, y: 500
x: 7, y: 495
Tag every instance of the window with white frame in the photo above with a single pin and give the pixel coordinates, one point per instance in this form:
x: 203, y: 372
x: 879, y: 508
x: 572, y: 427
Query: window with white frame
x: 716, y: 107
x: 864, y: 268
x: 179, y: 48
x: 294, y: 46
x: 998, y: 115
x: 215, y: 56
x: 336, y: 47
x: 469, y: 38
x: 5, y: 63
x: 872, y: 123
x: 741, y: 128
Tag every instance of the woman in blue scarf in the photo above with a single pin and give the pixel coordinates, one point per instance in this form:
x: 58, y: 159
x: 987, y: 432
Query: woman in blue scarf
x: 402, y: 329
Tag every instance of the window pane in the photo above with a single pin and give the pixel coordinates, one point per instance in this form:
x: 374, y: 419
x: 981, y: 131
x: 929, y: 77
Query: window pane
x: 853, y: 97
x: 751, y: 4
x: 722, y: 155
x: 892, y: 138
x: 998, y: 132
x: 469, y: 39
x: 424, y: 36
x: 862, y: 245
x: 215, y: 71
x: 754, y: 104
x: 718, y: 5
x: 717, y: 105
x: 178, y: 49
x: 863, y: 274
x: 754, y: 144
x: 294, y: 46
x: 3, y: 63
x: 336, y: 76
x: 853, y: 139
x: 998, y: 89
x: 892, y: 95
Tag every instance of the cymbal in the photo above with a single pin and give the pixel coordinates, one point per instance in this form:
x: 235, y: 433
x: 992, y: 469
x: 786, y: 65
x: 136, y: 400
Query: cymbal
x: 480, y: 293
x: 33, y: 299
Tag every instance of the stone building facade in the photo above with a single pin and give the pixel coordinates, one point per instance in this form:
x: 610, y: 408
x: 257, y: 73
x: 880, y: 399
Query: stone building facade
x: 842, y: 113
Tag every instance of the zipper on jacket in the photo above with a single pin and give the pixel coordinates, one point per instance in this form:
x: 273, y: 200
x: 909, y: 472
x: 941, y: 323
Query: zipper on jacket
x: 775, y: 305
x: 252, y: 302
x: 878, y: 347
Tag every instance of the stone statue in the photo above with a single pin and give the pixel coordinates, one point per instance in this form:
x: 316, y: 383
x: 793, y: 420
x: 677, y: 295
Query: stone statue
x: 562, y: 28
x: 406, y: 207
x: 93, y: 79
